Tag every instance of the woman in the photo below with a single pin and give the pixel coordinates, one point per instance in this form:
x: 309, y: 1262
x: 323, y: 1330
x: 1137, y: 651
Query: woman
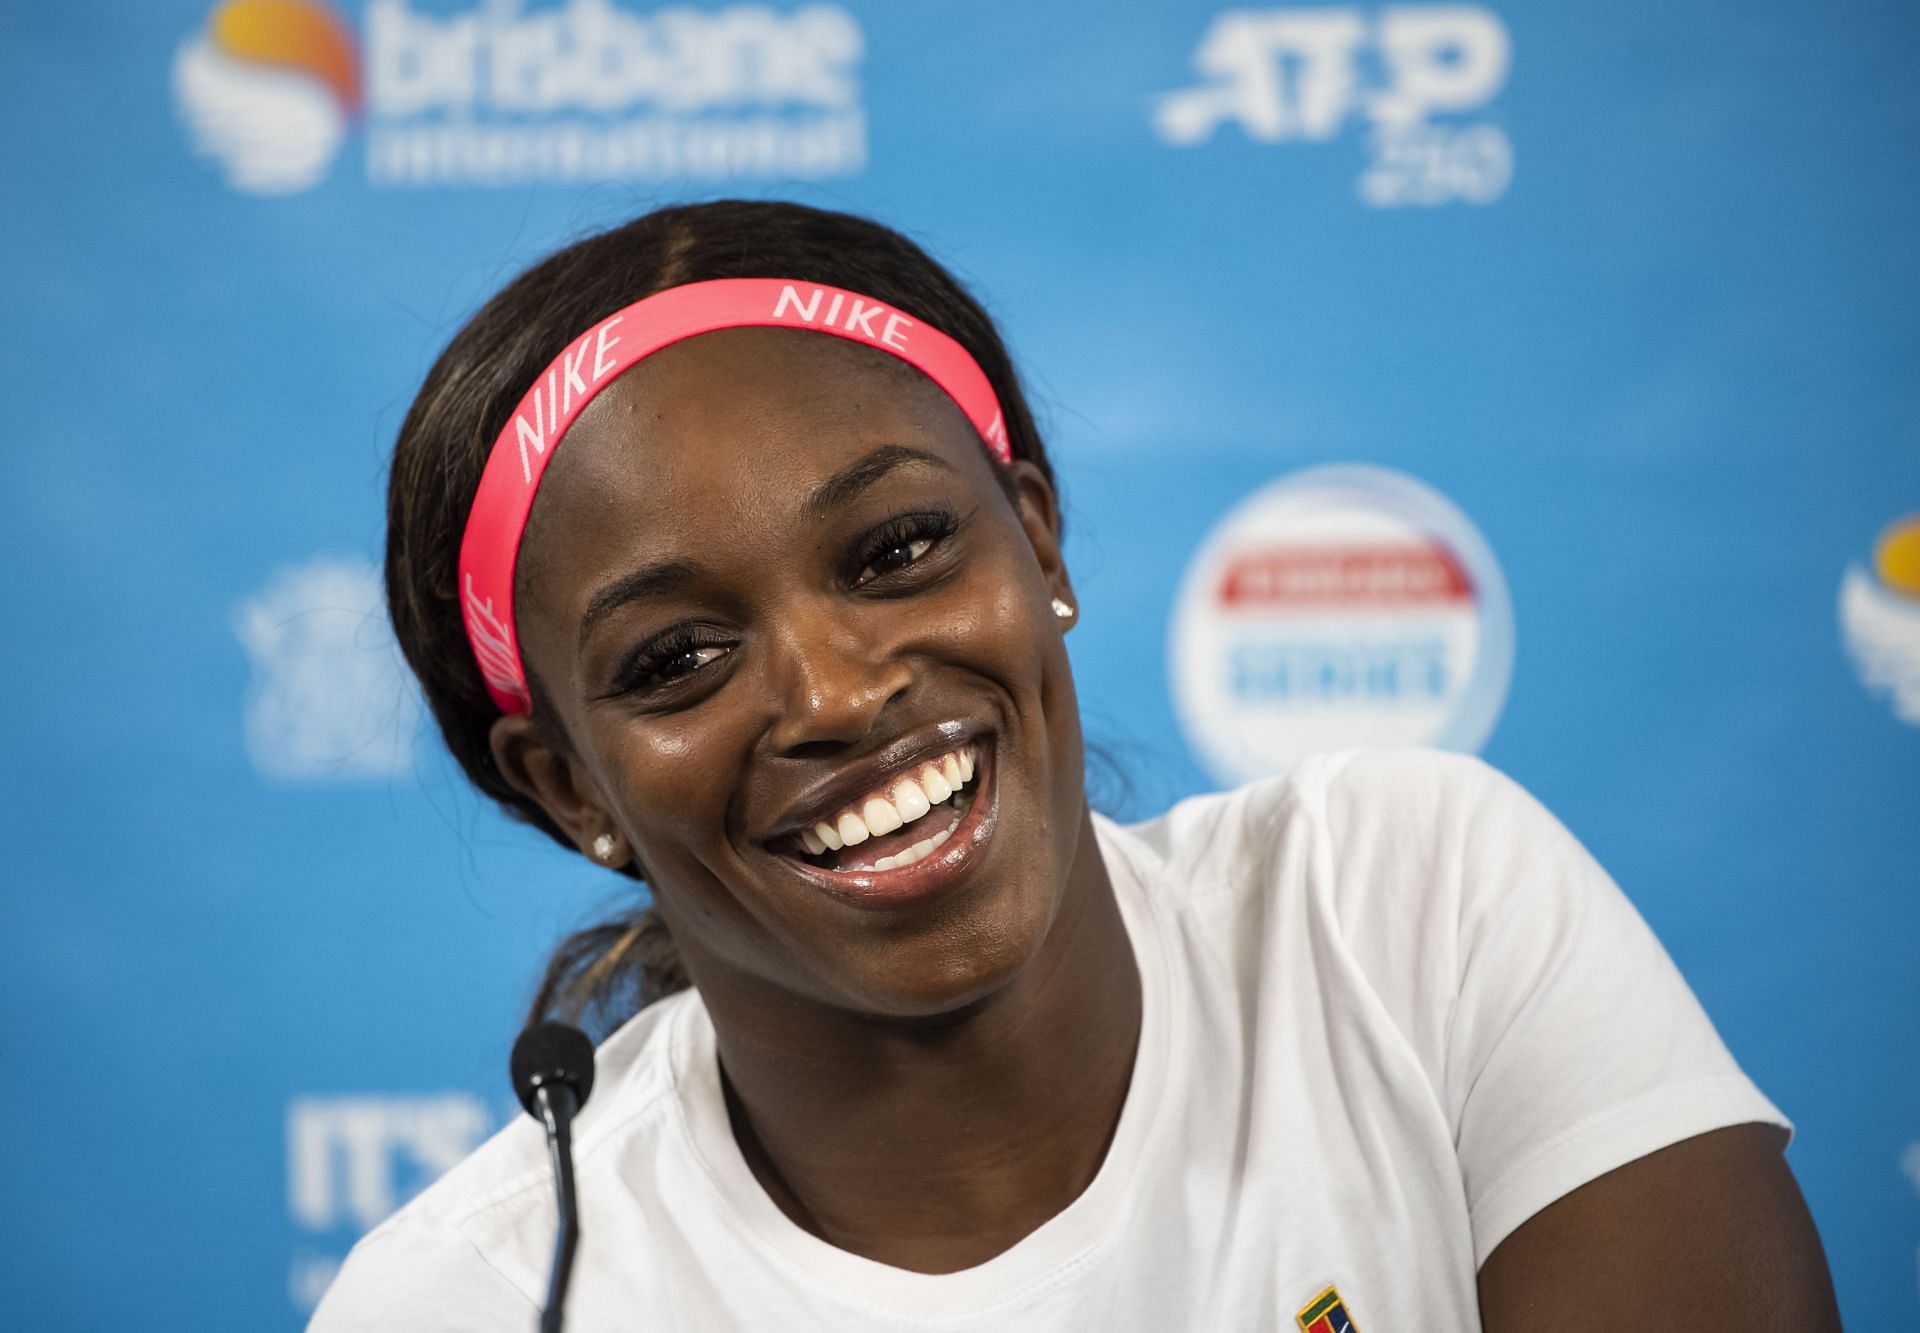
x: 780, y: 629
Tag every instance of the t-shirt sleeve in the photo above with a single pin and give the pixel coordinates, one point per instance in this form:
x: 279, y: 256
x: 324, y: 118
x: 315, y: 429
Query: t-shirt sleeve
x: 1559, y: 1035
x: 421, y: 1278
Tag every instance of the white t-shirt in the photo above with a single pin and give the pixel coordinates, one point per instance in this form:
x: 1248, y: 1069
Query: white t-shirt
x: 1391, y: 1009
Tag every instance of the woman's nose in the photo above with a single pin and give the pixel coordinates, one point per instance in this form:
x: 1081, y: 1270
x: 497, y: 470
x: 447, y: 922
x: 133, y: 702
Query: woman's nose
x: 832, y: 683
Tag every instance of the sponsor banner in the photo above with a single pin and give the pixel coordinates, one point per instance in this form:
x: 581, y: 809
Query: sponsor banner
x: 1640, y: 279
x: 1342, y: 605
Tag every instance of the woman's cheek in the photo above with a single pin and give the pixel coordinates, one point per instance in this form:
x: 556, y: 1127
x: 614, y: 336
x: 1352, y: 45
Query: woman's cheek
x: 667, y: 777
x: 1003, y: 606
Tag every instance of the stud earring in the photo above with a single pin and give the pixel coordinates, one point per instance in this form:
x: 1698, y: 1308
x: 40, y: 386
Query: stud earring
x: 1063, y: 609
x: 603, y: 847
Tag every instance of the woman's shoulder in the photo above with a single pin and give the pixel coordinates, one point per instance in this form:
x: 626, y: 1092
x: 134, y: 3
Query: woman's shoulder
x: 1349, y: 805
x: 481, y: 1234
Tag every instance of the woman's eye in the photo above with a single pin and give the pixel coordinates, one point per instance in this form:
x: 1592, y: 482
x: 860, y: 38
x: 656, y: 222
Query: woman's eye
x: 900, y: 544
x: 685, y: 663
x: 669, y: 664
x: 895, y: 557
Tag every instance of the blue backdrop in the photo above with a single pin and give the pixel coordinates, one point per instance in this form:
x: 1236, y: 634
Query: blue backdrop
x: 1608, y: 312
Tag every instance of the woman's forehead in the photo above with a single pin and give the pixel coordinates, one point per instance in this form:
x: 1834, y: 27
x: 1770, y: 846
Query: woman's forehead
x: 731, y: 430
x: 747, y: 406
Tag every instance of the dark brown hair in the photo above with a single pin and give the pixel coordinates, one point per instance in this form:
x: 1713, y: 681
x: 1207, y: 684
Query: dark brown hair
x: 600, y: 976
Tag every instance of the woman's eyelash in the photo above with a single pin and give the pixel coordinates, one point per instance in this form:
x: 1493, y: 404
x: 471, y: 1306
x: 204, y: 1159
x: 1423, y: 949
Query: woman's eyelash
x: 899, y: 536
x: 668, y: 657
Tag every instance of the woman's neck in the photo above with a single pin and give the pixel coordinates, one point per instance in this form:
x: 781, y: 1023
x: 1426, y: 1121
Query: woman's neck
x: 936, y: 1147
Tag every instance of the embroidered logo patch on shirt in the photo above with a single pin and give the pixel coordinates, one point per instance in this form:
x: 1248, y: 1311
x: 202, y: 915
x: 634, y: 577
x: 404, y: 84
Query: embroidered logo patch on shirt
x: 1326, y: 1314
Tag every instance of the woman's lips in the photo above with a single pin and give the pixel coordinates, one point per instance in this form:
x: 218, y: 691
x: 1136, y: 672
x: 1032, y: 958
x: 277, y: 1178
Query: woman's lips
x: 914, y: 806
x: 949, y: 860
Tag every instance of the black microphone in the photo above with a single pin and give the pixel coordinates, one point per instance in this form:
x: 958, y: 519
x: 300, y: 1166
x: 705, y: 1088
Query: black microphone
x: 552, y: 1069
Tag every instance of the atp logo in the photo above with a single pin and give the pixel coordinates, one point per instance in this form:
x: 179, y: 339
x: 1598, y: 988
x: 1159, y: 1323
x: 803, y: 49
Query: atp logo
x: 267, y: 90
x: 1302, y: 75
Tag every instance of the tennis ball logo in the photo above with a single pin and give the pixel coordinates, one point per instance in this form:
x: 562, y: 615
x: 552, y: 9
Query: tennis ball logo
x: 266, y: 91
x: 1880, y: 617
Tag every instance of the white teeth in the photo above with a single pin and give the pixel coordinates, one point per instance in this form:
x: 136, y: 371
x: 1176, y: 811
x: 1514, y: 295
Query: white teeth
x: 920, y: 851
x: 909, y: 798
x: 910, y: 801
x: 934, y: 785
x: 880, y: 816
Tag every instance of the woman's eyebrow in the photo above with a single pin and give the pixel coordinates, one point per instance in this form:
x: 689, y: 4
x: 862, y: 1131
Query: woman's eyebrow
x: 856, y: 476
x: 643, y: 582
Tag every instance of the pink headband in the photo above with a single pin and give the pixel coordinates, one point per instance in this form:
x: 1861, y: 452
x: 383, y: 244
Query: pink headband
x: 597, y: 357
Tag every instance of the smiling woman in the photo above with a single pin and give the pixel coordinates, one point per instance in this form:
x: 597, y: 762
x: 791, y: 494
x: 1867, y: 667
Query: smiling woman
x: 728, y: 555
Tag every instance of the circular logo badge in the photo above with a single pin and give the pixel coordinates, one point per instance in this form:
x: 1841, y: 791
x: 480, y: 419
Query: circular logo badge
x: 1880, y: 618
x: 1339, y: 606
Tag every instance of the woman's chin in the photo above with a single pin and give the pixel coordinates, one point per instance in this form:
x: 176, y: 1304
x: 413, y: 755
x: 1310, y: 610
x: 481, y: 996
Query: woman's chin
x: 952, y: 968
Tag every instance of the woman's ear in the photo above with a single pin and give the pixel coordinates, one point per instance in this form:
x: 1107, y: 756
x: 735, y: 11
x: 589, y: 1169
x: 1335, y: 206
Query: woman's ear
x: 560, y: 785
x: 1039, y: 510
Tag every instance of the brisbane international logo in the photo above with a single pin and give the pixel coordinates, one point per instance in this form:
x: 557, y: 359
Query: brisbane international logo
x: 267, y: 89
x: 502, y: 92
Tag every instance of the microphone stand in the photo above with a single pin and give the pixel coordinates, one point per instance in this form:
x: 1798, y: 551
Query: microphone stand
x: 556, y: 1105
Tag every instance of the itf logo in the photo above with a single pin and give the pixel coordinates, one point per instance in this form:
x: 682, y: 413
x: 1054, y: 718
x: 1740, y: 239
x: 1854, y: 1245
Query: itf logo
x: 493, y: 92
x: 267, y: 89
x: 1338, y: 606
x: 1303, y: 75
x: 353, y: 1160
x: 1880, y: 618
